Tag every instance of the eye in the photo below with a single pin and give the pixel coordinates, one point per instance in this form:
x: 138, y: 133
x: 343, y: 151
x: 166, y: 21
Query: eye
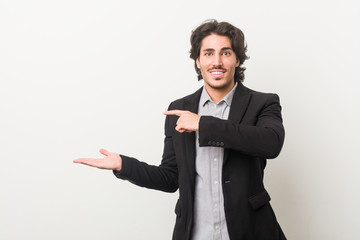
x: 208, y: 54
x: 226, y: 53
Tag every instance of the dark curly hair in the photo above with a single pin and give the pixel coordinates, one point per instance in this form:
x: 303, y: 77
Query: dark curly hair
x: 235, y: 35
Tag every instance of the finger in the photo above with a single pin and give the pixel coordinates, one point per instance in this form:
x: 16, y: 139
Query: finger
x: 179, y: 129
x: 86, y: 161
x: 174, y: 112
x: 92, y: 162
x: 79, y: 160
x: 104, y: 152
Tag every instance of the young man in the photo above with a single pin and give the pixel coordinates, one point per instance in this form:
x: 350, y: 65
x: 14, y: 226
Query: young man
x: 217, y: 141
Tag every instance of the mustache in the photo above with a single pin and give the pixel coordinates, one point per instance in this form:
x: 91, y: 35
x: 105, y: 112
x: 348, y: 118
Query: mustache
x: 217, y: 68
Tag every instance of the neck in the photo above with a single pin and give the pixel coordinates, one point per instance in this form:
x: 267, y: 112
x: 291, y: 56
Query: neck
x: 216, y: 94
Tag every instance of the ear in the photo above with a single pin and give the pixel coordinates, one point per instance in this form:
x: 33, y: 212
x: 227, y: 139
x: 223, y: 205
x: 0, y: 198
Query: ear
x: 198, y: 63
x: 237, y: 62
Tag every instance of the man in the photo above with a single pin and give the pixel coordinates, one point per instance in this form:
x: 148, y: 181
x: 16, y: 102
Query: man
x: 217, y: 141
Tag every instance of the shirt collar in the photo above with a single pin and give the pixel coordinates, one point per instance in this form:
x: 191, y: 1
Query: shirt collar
x: 204, y: 98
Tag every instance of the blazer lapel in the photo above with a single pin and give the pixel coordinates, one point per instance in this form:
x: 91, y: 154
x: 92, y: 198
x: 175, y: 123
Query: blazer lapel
x: 239, y: 103
x: 238, y: 108
x: 192, y: 105
x: 192, y: 101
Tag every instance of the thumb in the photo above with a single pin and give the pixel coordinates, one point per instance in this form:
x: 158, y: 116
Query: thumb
x: 104, y: 152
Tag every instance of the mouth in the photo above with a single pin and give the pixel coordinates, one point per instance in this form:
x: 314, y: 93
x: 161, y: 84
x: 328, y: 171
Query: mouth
x: 217, y: 73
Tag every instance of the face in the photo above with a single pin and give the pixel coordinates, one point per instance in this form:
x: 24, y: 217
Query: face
x: 217, y: 62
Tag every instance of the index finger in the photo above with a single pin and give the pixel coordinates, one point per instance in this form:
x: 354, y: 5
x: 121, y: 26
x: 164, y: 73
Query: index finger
x: 174, y: 112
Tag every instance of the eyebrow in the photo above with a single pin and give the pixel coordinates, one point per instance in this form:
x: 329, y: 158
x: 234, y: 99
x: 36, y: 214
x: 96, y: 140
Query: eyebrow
x: 211, y: 49
x: 226, y: 48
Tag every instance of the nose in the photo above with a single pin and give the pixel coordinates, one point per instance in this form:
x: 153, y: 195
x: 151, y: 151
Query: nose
x: 217, y: 61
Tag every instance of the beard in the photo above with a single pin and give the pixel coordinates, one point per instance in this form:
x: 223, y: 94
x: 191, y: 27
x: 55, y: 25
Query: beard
x: 226, y: 84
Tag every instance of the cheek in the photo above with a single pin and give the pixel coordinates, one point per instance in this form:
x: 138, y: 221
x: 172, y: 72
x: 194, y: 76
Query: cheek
x: 232, y: 64
x: 200, y: 63
x: 205, y: 65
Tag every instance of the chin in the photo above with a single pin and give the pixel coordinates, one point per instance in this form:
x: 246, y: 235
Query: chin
x: 217, y: 86
x: 218, y: 83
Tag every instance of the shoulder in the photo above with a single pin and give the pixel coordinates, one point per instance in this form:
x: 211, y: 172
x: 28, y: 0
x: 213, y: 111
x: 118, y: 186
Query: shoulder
x: 262, y: 96
x: 189, y: 99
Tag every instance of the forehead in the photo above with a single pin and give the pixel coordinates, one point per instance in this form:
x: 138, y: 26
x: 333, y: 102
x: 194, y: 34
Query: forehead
x: 215, y: 42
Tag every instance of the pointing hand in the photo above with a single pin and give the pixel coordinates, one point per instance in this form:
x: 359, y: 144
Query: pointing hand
x: 187, y: 122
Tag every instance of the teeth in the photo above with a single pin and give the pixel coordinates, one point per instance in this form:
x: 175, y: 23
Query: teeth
x: 216, y: 72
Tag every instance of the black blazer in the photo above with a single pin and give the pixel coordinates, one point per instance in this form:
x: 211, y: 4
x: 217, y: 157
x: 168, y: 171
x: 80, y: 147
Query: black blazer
x: 252, y: 134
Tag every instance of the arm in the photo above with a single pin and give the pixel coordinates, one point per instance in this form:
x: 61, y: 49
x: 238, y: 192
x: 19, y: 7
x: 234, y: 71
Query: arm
x: 163, y: 177
x: 264, y: 139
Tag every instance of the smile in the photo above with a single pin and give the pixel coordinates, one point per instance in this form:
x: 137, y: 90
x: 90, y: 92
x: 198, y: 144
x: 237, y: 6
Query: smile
x: 217, y: 74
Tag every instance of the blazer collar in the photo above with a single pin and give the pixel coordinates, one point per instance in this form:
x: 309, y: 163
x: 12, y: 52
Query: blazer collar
x: 238, y: 105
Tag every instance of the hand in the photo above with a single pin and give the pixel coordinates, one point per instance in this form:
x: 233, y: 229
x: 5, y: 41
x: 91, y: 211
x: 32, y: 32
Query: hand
x: 112, y: 161
x: 187, y: 122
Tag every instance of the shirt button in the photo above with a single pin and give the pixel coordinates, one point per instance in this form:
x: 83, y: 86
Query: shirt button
x: 215, y: 182
x: 215, y: 205
x: 217, y: 227
x: 215, y: 159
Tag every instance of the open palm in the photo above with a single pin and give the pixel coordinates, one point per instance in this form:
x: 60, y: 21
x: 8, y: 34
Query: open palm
x: 111, y: 161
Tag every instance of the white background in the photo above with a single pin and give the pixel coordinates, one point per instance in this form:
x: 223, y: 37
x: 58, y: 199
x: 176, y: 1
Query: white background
x: 77, y: 76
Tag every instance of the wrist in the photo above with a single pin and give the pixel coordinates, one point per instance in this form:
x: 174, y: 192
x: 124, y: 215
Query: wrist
x: 119, y: 165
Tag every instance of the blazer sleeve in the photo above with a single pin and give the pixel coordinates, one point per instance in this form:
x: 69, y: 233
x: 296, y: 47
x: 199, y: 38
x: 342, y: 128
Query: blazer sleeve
x: 163, y: 177
x: 262, y: 139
